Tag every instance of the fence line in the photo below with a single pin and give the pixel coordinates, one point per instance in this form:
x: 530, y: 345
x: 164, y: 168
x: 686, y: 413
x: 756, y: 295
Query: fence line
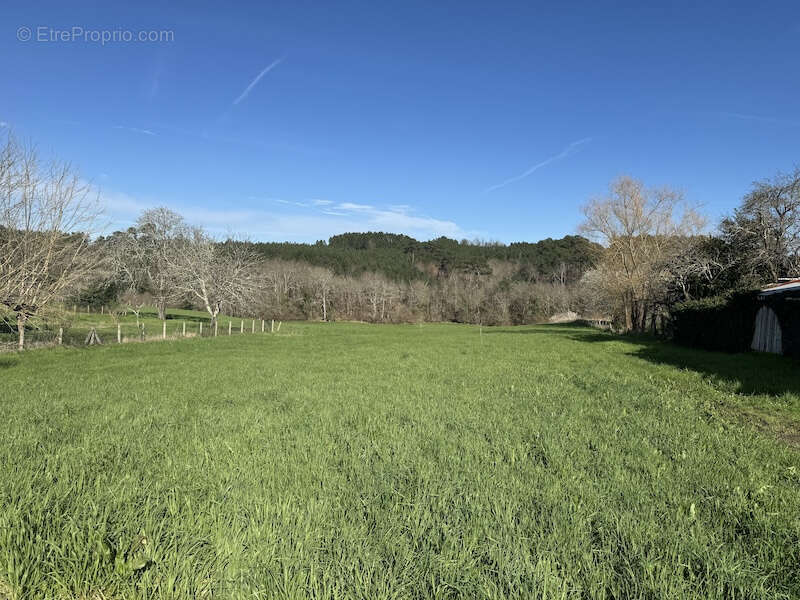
x: 102, y: 335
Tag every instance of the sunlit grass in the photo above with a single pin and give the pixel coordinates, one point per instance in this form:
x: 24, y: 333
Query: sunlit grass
x: 359, y: 461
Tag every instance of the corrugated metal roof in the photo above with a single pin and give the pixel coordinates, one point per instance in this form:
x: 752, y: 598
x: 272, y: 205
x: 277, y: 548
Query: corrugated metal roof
x: 779, y: 288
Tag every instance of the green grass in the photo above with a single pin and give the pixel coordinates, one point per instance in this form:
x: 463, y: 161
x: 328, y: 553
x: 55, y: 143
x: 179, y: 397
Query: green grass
x: 361, y: 461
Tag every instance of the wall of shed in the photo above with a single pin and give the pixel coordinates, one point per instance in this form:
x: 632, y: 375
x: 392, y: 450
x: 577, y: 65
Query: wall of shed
x: 787, y: 309
x: 767, y: 335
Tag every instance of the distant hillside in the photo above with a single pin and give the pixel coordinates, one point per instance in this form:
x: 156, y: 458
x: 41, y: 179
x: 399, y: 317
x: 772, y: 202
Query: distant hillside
x: 403, y: 258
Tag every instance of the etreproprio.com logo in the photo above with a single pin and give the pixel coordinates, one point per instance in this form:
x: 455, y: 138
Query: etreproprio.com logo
x: 47, y: 34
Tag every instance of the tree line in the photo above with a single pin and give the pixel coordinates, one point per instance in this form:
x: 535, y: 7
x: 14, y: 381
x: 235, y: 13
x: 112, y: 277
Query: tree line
x: 641, y: 251
x: 164, y: 262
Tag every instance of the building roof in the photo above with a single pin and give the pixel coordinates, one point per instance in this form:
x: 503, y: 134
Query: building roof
x: 791, y: 285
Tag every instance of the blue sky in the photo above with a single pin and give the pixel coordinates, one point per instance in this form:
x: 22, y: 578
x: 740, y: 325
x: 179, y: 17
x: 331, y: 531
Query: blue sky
x: 296, y: 120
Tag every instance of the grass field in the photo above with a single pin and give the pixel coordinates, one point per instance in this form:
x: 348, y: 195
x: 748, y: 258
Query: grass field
x: 435, y: 461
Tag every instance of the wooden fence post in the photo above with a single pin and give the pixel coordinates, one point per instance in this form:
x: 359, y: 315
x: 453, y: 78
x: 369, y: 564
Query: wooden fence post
x: 88, y: 310
x: 216, y: 326
x: 92, y: 338
x: 164, y: 330
x: 262, y: 325
x: 279, y: 326
x: 272, y: 326
x: 254, y: 327
x: 201, y: 329
x: 184, y: 329
x: 119, y: 333
x: 229, y: 327
x: 60, y: 335
x: 241, y: 327
x: 102, y: 309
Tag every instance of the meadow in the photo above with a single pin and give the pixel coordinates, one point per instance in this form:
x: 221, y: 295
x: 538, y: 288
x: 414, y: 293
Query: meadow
x: 345, y: 460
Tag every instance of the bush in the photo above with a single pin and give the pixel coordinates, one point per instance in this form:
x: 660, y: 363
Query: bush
x: 97, y: 293
x: 716, y: 323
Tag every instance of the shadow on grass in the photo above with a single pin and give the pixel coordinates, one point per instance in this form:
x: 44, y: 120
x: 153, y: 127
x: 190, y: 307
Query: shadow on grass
x: 743, y: 373
x: 6, y: 362
x: 171, y: 316
x: 541, y: 328
x: 751, y: 373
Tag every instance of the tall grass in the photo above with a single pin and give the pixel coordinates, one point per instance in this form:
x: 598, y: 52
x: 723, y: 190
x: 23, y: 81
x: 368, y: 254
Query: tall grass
x: 358, y: 461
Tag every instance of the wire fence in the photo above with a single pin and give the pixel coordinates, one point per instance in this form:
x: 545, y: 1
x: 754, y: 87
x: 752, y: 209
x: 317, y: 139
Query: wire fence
x: 48, y: 335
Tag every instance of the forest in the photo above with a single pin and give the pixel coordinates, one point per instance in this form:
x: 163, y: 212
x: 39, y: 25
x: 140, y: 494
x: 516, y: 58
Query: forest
x: 373, y: 276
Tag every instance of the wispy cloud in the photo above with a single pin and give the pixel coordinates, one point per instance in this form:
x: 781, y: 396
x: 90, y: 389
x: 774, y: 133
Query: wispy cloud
x: 255, y: 81
x: 292, y: 203
x: 355, y: 207
x: 135, y: 130
x: 571, y: 149
x: 3, y: 124
x: 396, y: 219
x: 760, y: 119
x: 306, y: 221
x: 400, y: 218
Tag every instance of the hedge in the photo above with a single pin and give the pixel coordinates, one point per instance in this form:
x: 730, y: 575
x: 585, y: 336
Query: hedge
x: 717, y: 323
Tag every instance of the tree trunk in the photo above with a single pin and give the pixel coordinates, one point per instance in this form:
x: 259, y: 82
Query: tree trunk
x: 21, y: 319
x: 642, y: 324
x: 628, y: 309
x: 162, y: 309
x: 213, y: 312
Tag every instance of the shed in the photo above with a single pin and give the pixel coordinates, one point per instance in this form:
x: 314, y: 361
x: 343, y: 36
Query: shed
x: 777, y: 322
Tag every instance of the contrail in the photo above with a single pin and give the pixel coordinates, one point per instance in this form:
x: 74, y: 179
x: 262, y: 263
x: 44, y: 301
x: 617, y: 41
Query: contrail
x: 761, y: 119
x: 563, y: 154
x: 135, y: 129
x: 253, y: 83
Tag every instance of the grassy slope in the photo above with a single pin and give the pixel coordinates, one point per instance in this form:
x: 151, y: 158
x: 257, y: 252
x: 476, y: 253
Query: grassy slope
x: 346, y: 460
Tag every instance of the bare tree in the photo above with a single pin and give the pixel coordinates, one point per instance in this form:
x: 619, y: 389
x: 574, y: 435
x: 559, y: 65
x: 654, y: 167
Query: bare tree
x: 214, y: 274
x: 47, y: 213
x: 150, y: 253
x: 322, y: 283
x: 702, y: 266
x: 765, y: 230
x: 134, y: 302
x: 639, y: 228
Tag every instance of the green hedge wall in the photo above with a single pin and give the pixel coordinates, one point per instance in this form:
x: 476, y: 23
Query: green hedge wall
x: 717, y: 323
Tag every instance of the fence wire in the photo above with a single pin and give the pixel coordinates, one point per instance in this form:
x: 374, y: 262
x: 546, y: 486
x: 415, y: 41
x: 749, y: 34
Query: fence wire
x: 45, y: 335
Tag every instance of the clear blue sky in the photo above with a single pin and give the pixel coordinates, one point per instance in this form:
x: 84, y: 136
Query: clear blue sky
x: 464, y: 119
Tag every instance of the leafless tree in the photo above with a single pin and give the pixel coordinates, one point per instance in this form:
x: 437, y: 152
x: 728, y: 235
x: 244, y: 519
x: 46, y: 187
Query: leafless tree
x: 47, y: 213
x: 765, y: 230
x: 150, y: 252
x: 639, y: 228
x: 212, y: 273
x: 322, y: 282
x: 134, y: 302
x: 702, y: 266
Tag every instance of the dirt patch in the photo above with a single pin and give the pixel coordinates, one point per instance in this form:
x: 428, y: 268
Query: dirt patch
x: 787, y: 431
